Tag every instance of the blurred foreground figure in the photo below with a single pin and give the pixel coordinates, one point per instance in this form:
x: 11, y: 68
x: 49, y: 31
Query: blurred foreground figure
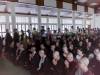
x: 7, y: 68
x: 83, y: 67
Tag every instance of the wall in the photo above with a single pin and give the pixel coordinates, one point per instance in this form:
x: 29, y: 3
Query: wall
x: 97, y: 21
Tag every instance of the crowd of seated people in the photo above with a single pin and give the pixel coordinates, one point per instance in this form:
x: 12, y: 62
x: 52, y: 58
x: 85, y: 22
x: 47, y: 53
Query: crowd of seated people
x: 46, y: 53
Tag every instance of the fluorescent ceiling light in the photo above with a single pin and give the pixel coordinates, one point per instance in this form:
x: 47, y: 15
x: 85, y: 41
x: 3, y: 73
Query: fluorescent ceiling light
x: 93, y: 4
x: 82, y: 1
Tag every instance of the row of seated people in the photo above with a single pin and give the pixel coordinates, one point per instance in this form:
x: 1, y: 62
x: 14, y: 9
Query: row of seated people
x: 75, y: 54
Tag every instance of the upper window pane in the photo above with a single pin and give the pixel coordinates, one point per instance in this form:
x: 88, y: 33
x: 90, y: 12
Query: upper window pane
x: 52, y: 20
x: 2, y: 19
x: 88, y: 22
x: 34, y: 20
x: 3, y: 28
x: 78, y: 21
x: 22, y: 19
x: 67, y: 21
x: 44, y: 20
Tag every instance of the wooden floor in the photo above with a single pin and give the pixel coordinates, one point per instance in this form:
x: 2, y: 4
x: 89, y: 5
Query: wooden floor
x: 7, y: 68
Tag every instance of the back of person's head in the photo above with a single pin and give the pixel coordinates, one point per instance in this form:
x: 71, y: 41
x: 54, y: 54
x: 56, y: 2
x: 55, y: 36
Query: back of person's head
x: 84, y: 62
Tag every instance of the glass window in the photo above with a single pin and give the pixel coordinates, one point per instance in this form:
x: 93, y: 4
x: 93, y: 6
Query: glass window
x: 67, y: 21
x: 23, y: 27
x: 0, y: 34
x: 80, y: 26
x: 3, y: 28
x: 88, y: 22
x: 3, y: 34
x: 0, y: 29
x: 34, y: 20
x: 63, y: 27
x: 53, y: 20
x: 35, y: 26
x: 43, y: 20
x: 2, y: 19
x: 27, y: 27
x: 78, y: 21
x: 11, y: 28
x: 19, y: 28
x: 10, y: 20
x: 22, y: 19
x: 53, y: 27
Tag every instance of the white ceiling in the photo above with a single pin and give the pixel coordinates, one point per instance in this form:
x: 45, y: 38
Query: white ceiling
x: 30, y: 8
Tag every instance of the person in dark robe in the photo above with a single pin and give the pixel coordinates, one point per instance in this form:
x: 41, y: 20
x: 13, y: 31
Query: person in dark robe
x: 42, y: 64
x: 65, y: 52
x: 19, y: 54
x: 16, y: 36
x: 22, y: 35
x: 32, y: 55
x: 8, y: 38
x: 72, y: 64
x: 57, y: 65
x: 72, y: 49
x: 11, y: 52
x: 48, y: 33
x: 51, y: 51
x: 1, y: 44
x: 95, y: 62
x: 34, y: 60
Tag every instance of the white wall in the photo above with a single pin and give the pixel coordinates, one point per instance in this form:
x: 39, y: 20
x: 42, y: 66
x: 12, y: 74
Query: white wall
x: 97, y: 20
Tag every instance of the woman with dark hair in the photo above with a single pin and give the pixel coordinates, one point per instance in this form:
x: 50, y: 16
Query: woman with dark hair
x: 72, y: 64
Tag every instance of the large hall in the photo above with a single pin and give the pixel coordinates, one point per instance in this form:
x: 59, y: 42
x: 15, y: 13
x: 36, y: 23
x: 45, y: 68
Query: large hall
x: 49, y: 37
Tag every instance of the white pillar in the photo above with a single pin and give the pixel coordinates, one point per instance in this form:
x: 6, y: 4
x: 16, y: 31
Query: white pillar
x: 84, y: 20
x: 12, y: 6
x: 7, y: 22
x: 58, y: 18
x: 39, y: 18
x: 93, y: 20
x: 47, y: 21
x: 73, y: 19
x: 30, y: 23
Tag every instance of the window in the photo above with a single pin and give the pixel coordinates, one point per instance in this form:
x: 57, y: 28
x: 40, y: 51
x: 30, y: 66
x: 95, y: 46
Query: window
x: 53, y: 20
x: 2, y: 19
x: 43, y: 20
x: 66, y: 21
x: 34, y: 19
x: 78, y: 21
x: 88, y: 22
x: 2, y: 30
x: 22, y: 19
x: 53, y: 23
x: 35, y: 26
x: 10, y: 20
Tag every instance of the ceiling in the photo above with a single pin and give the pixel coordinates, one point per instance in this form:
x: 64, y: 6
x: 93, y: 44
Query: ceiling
x: 90, y: 3
x: 32, y: 9
x: 85, y: 2
x: 80, y: 2
x: 21, y: 7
